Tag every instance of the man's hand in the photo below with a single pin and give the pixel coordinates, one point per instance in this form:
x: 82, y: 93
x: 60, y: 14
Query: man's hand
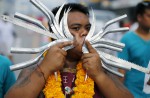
x: 91, y: 62
x: 56, y: 56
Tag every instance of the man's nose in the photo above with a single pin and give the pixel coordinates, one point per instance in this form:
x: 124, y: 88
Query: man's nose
x: 84, y: 33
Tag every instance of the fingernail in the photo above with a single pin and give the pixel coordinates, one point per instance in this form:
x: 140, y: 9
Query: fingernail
x: 72, y: 46
x: 71, y: 42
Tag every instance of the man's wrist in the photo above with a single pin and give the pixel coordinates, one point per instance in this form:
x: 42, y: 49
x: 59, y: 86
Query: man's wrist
x: 45, y: 69
x: 41, y: 71
x: 98, y: 78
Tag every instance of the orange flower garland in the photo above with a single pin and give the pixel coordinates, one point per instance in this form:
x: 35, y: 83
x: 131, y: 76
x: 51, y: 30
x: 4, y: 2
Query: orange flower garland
x: 53, y: 88
x: 83, y: 89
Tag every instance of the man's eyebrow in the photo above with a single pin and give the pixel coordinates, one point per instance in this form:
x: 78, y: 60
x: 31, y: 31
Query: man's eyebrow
x: 76, y: 24
x: 88, y: 24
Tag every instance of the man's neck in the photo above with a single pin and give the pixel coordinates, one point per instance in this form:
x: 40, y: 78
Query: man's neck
x: 143, y: 33
x: 70, y: 63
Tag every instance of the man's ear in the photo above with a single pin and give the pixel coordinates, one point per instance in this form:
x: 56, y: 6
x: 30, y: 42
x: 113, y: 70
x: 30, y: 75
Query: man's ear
x: 139, y: 18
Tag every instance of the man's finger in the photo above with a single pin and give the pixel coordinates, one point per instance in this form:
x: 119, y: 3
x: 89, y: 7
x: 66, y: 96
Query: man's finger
x: 84, y: 61
x: 64, y: 53
x: 89, y: 55
x: 90, y: 48
x: 64, y: 44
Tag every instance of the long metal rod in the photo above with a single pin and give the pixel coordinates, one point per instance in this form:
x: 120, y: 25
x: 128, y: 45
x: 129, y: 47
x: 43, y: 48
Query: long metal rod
x: 114, y: 20
x: 28, y: 26
x: 99, y: 35
x: 36, y: 4
x: 109, y: 42
x: 112, y: 71
x: 114, y: 64
x: 106, y: 25
x: 53, y: 24
x: 36, y: 50
x: 65, y: 25
x: 57, y: 17
x: 92, y: 29
x: 107, y: 47
x: 30, y: 20
x: 33, y: 61
x: 124, y: 63
x: 124, y: 29
x: 26, y: 64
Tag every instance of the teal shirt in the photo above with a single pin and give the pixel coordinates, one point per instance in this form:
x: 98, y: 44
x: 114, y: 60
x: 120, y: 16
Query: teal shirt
x: 136, y: 51
x: 7, y: 77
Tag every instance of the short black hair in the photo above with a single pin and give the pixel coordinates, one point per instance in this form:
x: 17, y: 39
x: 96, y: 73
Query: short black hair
x: 74, y: 7
x: 141, y: 7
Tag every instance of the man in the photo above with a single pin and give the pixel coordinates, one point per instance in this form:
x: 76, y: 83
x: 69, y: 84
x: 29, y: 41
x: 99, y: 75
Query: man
x: 137, y: 50
x: 32, y: 80
x: 7, y: 78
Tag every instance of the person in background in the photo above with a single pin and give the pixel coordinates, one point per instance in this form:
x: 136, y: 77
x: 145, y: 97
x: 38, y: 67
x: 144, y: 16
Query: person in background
x: 99, y: 84
x: 7, y: 78
x: 137, y: 50
x: 7, y: 37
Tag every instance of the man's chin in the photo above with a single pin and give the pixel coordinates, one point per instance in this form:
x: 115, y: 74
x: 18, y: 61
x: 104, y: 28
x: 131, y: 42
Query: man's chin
x: 74, y: 55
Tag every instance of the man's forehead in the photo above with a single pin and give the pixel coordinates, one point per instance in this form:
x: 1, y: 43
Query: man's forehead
x: 77, y: 24
x: 147, y: 11
x: 77, y: 18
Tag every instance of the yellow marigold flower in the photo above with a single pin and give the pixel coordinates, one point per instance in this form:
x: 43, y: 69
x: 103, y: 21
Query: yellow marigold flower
x: 83, y: 89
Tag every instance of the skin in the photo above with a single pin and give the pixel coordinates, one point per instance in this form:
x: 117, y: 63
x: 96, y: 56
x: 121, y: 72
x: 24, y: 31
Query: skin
x: 143, y: 31
x: 27, y: 86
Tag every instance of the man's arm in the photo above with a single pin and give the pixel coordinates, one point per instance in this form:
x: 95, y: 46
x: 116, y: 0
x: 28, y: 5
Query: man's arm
x: 109, y: 86
x: 123, y: 72
x: 31, y: 80
x: 27, y: 85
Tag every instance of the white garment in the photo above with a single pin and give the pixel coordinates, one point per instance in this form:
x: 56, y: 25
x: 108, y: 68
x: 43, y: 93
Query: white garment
x: 146, y: 87
x: 134, y: 26
x: 6, y: 37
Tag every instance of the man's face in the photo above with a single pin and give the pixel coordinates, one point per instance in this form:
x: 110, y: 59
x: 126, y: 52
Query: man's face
x: 144, y: 19
x: 79, y: 27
